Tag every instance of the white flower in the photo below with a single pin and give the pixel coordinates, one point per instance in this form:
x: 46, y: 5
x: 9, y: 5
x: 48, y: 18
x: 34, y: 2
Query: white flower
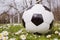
x: 5, y: 33
x: 39, y: 36
x: 12, y: 39
x: 48, y: 36
x: 1, y: 36
x: 55, y: 39
x: 59, y: 34
x: 23, y: 36
x: 5, y: 38
x: 56, y: 32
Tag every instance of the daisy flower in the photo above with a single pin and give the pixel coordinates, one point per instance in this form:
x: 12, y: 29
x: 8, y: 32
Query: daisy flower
x: 56, y: 32
x: 48, y: 36
x: 5, y: 38
x: 59, y: 34
x: 5, y: 33
x: 23, y: 37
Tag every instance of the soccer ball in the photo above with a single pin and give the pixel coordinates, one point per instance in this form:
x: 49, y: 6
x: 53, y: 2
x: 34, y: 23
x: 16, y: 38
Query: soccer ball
x: 38, y: 19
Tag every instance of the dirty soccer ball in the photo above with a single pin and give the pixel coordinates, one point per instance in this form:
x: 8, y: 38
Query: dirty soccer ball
x: 38, y: 19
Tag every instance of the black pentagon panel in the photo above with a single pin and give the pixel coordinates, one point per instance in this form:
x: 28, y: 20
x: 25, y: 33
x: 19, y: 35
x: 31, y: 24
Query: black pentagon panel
x: 47, y: 8
x: 37, y: 19
x: 23, y: 23
x: 51, y: 24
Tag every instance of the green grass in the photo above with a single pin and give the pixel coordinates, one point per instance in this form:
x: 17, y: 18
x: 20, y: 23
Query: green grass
x: 13, y: 29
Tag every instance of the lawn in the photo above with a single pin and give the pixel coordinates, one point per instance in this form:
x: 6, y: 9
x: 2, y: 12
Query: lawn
x: 18, y: 32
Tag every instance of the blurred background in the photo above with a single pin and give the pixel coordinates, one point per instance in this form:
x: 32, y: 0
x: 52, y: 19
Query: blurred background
x: 11, y: 11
